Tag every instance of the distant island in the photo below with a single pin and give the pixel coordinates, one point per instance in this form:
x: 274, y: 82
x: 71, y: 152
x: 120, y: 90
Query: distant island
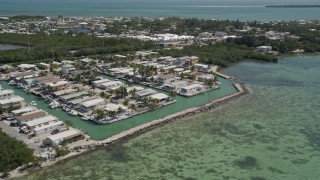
x: 293, y: 6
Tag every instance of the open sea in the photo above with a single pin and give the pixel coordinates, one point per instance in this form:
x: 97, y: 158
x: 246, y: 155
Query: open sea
x: 207, y: 9
x: 270, y: 134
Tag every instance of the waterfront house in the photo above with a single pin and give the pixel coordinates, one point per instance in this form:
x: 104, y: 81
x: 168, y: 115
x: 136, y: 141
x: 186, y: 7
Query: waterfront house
x: 58, y: 86
x: 110, y: 85
x: 18, y: 112
x: 205, y: 77
x: 73, y: 96
x: 29, y: 116
x: 10, y: 104
x: 201, y: 67
x: 191, y: 89
x: 64, y: 92
x: 22, y: 75
x: 38, y: 122
x: 75, y: 103
x: 174, y: 86
x: 166, y: 79
x: 100, y: 81
x: 160, y: 96
x: 64, y: 137
x: 144, y: 93
x: 48, y: 127
x: 7, y: 93
x: 89, y: 105
x: 114, y: 107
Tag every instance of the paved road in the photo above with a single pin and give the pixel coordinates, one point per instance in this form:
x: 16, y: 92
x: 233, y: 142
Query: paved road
x: 13, y: 132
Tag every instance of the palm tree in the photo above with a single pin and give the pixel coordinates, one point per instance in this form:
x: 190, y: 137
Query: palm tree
x: 100, y: 113
x: 68, y: 123
x: 112, y: 113
x: 133, y: 107
x: 210, y: 82
x: 133, y: 91
x: 172, y: 94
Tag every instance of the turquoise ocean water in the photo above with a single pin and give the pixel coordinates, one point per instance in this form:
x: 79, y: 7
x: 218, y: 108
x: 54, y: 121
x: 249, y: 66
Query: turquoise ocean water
x: 270, y: 134
x: 208, y: 9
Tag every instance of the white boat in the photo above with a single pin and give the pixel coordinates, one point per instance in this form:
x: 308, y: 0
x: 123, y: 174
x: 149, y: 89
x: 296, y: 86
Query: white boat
x: 73, y: 112
x: 33, y: 103
x: 54, y: 104
x: 12, y: 82
x: 84, y: 118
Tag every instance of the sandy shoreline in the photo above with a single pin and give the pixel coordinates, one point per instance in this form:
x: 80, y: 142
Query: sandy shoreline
x: 92, y: 145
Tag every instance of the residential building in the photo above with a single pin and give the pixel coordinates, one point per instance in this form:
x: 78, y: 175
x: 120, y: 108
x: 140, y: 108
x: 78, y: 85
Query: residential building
x: 10, y: 104
x: 110, y: 85
x: 177, y: 85
x: 89, y: 105
x: 47, y: 128
x: 5, y: 94
x: 29, y: 116
x: 205, y: 77
x: 160, y: 96
x: 166, y: 79
x: 144, y: 93
x: 64, y: 137
x: 38, y: 122
x: 67, y: 68
x: 191, y: 89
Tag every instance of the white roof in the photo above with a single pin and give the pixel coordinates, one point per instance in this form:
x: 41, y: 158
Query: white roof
x: 146, y: 92
x: 6, y: 91
x: 64, y: 134
x: 58, y: 123
x: 114, y: 107
x: 41, y: 120
x: 100, y: 81
x: 13, y: 99
x: 177, y: 83
x: 192, y: 86
x: 82, y: 99
x: 23, y: 110
x: 70, y: 96
x: 111, y: 83
x: 63, y: 92
x: 59, y: 83
x: 67, y: 62
x: 138, y: 88
x: 92, y: 102
x: 26, y: 66
x: 159, y: 96
x: 201, y: 65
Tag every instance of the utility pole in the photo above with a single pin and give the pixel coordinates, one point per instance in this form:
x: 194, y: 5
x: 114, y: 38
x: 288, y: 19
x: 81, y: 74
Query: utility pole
x: 28, y: 43
x: 52, y: 53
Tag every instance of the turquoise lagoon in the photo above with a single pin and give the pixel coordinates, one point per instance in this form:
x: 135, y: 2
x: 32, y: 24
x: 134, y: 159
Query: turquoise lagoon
x: 271, y: 133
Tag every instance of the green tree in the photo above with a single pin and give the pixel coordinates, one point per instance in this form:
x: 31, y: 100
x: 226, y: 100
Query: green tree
x: 68, y: 123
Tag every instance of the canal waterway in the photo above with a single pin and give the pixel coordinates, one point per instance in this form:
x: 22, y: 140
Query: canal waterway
x: 4, y: 47
x: 100, y: 132
x: 271, y: 133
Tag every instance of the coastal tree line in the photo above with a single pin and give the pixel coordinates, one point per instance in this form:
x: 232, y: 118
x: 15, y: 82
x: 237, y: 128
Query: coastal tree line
x: 14, y: 153
x: 39, y: 47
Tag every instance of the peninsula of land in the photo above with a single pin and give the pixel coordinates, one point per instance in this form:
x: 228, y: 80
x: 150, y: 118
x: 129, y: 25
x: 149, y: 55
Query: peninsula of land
x: 293, y: 6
